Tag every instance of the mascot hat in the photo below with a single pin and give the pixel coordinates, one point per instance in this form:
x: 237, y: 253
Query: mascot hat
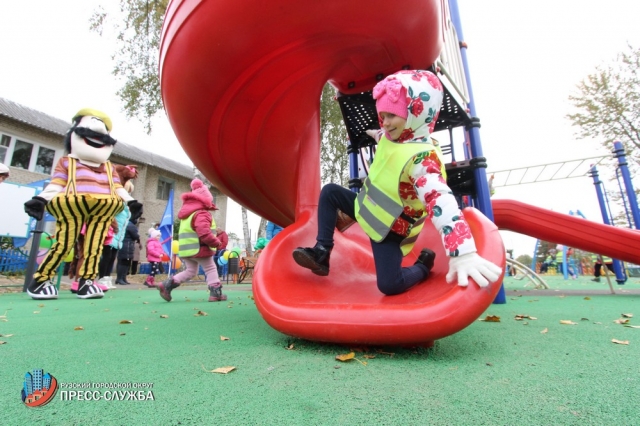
x: 95, y: 113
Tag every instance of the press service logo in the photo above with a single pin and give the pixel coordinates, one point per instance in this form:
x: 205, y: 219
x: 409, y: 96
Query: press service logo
x: 39, y: 388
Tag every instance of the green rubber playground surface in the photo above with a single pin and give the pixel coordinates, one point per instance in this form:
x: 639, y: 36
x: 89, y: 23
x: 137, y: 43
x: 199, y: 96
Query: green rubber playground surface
x: 533, y: 371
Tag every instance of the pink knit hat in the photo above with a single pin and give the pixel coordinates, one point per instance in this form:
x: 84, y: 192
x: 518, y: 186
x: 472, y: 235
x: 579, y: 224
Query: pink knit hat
x: 391, y: 96
x: 201, y: 192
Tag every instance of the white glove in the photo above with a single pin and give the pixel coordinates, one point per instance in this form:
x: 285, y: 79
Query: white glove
x: 375, y: 134
x: 474, y: 266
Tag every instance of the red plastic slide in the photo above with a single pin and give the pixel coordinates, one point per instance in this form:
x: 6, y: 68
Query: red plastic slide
x: 241, y: 82
x: 571, y: 231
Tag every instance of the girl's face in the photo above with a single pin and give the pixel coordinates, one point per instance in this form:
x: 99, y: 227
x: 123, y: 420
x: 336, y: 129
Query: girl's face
x: 392, y: 124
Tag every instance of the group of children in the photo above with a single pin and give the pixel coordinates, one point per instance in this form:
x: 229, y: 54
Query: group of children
x: 199, y: 238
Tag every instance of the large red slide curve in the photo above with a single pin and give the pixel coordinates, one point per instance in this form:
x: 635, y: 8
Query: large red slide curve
x: 241, y: 82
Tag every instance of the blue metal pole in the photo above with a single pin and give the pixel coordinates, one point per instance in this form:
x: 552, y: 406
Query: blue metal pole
x: 618, y: 152
x: 621, y: 277
x: 624, y: 200
x: 598, y: 185
x: 353, y: 164
x: 535, y: 256
x: 482, y: 201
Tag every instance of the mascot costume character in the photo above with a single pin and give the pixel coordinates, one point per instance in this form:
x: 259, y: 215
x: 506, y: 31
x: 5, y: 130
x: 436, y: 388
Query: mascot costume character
x: 84, y: 188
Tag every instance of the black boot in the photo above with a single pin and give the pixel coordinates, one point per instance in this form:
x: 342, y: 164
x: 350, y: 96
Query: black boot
x: 215, y: 294
x: 427, y: 258
x: 165, y: 288
x: 121, y: 272
x: 316, y: 258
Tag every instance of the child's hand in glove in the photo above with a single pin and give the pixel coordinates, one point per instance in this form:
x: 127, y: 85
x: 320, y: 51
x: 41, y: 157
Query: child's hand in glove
x: 472, y: 265
x: 375, y: 134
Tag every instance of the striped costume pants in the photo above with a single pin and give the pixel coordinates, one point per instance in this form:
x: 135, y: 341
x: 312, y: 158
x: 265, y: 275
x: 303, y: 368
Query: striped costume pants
x: 71, y: 211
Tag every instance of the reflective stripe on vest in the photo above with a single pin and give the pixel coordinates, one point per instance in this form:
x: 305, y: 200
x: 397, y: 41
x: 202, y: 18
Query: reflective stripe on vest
x: 189, y: 243
x: 379, y: 204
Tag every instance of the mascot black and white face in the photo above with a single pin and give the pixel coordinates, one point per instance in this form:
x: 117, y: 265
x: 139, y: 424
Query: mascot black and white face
x: 90, y: 140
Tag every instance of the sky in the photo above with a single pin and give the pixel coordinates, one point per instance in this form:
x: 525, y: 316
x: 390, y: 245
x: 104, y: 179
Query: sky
x: 525, y: 59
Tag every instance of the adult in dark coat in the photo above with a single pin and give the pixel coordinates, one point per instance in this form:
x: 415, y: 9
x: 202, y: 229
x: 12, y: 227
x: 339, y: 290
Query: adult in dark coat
x: 126, y: 253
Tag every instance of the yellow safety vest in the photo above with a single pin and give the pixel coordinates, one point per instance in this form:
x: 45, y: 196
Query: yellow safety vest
x: 605, y: 259
x: 189, y: 244
x: 379, y: 204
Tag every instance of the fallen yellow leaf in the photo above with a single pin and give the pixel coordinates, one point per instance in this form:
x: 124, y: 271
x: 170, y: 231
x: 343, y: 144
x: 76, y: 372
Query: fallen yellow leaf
x: 346, y: 357
x: 369, y: 356
x: 41, y: 305
x: 200, y: 314
x: 627, y: 315
x: 630, y: 326
x: 164, y: 316
x: 6, y: 335
x: 568, y: 322
x: 2, y: 343
x: 521, y: 317
x: 79, y: 328
x: 36, y: 312
x: 491, y: 318
x: 587, y: 298
x: 126, y: 322
x: 220, y: 370
x: 622, y: 321
x: 224, y: 338
x: 544, y: 331
x: 620, y: 342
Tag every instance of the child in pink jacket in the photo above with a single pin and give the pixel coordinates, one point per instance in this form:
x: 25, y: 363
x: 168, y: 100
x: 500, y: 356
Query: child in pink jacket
x: 154, y: 257
x: 197, y: 241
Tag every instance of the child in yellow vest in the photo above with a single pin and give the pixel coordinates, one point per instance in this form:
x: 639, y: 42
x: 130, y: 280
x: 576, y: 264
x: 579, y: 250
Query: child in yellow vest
x: 405, y: 186
x: 197, y: 239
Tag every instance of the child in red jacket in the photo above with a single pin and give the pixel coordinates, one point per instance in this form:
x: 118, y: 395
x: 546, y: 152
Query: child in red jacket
x: 197, y: 239
x: 154, y: 257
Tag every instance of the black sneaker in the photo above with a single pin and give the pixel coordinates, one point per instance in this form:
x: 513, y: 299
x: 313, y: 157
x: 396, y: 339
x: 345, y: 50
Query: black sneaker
x: 316, y: 259
x: 165, y: 288
x: 427, y: 258
x: 87, y: 289
x: 596, y: 280
x: 42, y: 291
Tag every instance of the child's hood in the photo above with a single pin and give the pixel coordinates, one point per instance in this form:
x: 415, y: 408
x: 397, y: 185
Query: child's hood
x: 192, y: 203
x: 424, y: 99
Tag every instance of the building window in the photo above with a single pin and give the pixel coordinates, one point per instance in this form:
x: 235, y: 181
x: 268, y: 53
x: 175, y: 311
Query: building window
x: 44, y: 161
x: 5, y: 141
x: 164, y: 188
x: 27, y: 155
x: 22, y: 154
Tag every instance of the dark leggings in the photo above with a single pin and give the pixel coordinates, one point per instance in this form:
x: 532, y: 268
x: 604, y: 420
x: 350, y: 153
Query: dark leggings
x: 134, y: 268
x: 392, y: 278
x: 109, y: 255
x: 598, y: 269
x: 155, y: 268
